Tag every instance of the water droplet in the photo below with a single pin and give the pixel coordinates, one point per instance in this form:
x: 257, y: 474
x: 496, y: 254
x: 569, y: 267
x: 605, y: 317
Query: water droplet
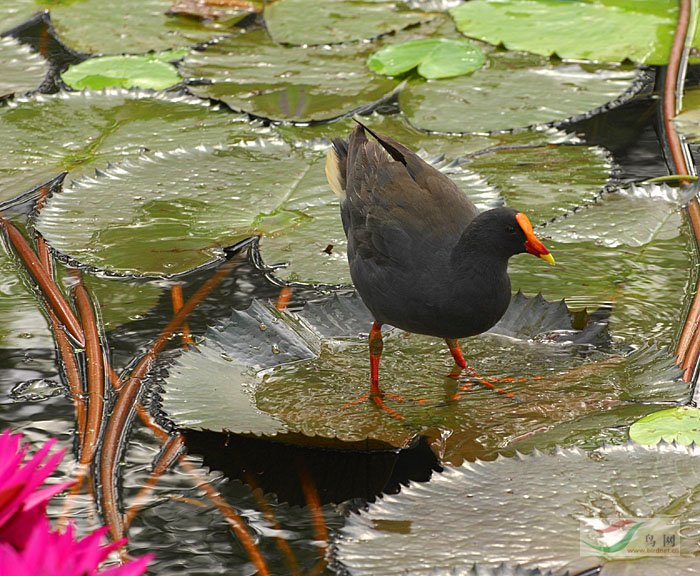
x: 275, y: 349
x: 263, y: 327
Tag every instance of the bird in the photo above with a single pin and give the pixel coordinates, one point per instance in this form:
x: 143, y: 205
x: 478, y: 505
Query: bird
x: 422, y: 257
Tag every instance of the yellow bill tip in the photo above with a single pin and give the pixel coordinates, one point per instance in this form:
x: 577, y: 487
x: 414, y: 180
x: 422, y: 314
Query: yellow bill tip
x: 548, y: 258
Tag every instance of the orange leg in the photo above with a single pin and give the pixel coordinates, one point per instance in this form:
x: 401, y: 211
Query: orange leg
x: 376, y: 345
x: 456, y: 351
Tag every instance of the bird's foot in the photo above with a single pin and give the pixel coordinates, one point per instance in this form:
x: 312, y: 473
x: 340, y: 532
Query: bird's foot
x: 488, y: 382
x: 378, y: 400
x: 457, y: 371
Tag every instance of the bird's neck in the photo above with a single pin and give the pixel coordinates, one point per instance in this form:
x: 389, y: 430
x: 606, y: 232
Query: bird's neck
x: 475, y: 254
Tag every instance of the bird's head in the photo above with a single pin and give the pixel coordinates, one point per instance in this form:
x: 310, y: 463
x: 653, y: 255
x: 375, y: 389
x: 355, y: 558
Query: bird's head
x: 508, y: 232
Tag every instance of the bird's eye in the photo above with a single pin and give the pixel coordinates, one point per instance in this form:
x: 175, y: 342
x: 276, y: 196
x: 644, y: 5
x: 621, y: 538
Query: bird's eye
x: 510, y: 229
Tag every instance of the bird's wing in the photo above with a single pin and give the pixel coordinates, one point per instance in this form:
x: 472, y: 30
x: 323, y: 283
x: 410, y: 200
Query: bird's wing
x: 396, y: 203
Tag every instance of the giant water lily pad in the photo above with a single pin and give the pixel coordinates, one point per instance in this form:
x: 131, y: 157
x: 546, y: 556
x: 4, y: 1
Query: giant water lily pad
x: 288, y: 367
x: 164, y: 214
x: 534, y: 512
x: 335, y: 21
x: 643, y: 213
x: 130, y: 26
x: 630, y: 247
x: 167, y: 213
x: 513, y: 91
x: 251, y: 73
x: 15, y: 13
x: 612, y: 30
x: 688, y: 121
x: 545, y: 181
x: 21, y: 70
x: 46, y: 135
x: 681, y: 425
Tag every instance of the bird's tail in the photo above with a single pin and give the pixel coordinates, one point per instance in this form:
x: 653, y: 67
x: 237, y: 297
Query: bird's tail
x: 336, y: 166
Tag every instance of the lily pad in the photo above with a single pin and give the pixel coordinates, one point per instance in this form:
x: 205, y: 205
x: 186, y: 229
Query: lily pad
x: 21, y: 69
x: 251, y: 73
x: 680, y: 425
x: 167, y: 213
x: 335, y: 21
x: 643, y: 213
x: 122, y: 72
x: 45, y: 135
x: 319, y: 136
x: 287, y: 366
x: 688, y: 121
x: 433, y: 57
x: 15, y: 13
x: 534, y: 513
x: 131, y: 26
x: 614, y: 30
x: 614, y: 251
x: 513, y: 91
x: 545, y: 181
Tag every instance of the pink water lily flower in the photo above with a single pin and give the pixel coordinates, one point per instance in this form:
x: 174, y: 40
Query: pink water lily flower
x: 28, y: 545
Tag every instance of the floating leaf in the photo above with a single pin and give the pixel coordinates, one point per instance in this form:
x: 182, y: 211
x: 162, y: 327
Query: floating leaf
x: 21, y: 70
x: 434, y: 58
x: 130, y: 26
x: 642, y: 214
x: 544, y: 181
x: 602, y: 31
x: 513, y: 91
x: 121, y: 72
x: 15, y: 13
x: 680, y: 425
x: 688, y: 121
x: 167, y: 213
x: 251, y: 73
x: 532, y: 512
x: 79, y: 131
x: 334, y: 21
x: 643, y: 278
x: 288, y: 365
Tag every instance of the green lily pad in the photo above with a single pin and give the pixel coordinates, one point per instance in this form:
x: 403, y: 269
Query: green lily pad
x: 15, y: 13
x: 544, y: 181
x: 287, y: 367
x: 599, y: 30
x: 78, y: 131
x: 680, y: 425
x: 21, y: 69
x: 688, y: 121
x: 535, y: 513
x: 131, y: 26
x: 122, y: 72
x: 320, y: 135
x: 335, y: 21
x: 251, y: 73
x: 433, y: 57
x: 617, y: 253
x: 167, y: 213
x: 513, y: 91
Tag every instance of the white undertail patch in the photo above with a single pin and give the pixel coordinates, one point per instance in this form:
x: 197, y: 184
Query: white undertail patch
x: 333, y: 173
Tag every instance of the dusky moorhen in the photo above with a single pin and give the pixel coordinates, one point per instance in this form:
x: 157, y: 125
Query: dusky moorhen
x: 422, y: 256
